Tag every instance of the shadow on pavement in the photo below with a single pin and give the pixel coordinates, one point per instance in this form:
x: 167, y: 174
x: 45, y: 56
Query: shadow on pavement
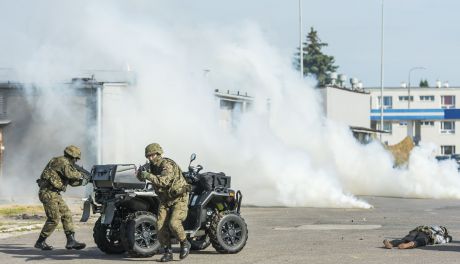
x: 454, y: 247
x: 29, y: 253
x: 32, y: 254
x: 196, y: 252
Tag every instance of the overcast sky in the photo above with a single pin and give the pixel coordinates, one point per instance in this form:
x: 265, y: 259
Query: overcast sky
x: 417, y: 32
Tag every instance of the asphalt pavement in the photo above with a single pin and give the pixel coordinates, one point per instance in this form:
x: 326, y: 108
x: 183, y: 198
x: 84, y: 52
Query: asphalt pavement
x: 289, y: 235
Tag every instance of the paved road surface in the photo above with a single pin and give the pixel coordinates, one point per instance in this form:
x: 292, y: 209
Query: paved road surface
x: 291, y: 235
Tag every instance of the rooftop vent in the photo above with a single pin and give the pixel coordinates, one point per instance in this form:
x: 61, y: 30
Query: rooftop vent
x: 333, y: 77
x: 438, y: 84
x: 342, y: 80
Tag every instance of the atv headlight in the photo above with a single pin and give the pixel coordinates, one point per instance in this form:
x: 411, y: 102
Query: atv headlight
x: 231, y: 196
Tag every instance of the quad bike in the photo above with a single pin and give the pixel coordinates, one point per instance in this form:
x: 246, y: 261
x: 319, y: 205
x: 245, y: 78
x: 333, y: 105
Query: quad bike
x: 129, y: 211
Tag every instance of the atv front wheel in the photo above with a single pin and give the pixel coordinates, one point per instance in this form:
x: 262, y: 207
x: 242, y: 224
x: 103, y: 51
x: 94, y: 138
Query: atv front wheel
x: 228, y: 232
x: 106, y: 239
x: 139, y: 234
x: 200, y: 242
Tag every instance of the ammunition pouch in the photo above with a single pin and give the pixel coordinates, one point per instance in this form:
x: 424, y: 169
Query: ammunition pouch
x: 44, y: 184
x: 179, y: 192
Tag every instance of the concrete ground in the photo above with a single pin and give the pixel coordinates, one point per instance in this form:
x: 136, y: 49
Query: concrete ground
x: 291, y: 235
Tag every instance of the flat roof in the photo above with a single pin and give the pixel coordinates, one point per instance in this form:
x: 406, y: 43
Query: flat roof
x: 365, y: 129
x: 355, y: 90
x: 412, y: 88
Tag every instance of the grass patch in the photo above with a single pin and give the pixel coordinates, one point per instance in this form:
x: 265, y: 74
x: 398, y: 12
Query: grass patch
x: 20, y: 227
x: 13, y: 210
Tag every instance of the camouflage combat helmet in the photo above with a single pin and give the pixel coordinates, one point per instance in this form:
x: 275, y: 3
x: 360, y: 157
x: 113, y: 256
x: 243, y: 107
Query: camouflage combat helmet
x: 152, y: 149
x: 73, y: 151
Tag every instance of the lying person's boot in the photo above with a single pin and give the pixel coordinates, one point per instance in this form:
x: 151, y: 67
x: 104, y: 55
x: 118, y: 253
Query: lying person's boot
x: 72, y: 243
x: 387, y: 244
x: 407, y: 245
x: 41, y: 244
x: 168, y: 255
x: 184, y: 249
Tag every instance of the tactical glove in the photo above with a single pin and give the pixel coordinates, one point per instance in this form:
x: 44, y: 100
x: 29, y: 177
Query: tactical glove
x: 142, y: 175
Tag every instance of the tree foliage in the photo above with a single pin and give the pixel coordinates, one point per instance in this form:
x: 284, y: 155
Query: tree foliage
x: 424, y: 83
x: 315, y: 62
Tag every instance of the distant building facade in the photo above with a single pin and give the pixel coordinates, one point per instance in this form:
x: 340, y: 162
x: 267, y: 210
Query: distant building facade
x: 428, y: 114
x: 231, y: 105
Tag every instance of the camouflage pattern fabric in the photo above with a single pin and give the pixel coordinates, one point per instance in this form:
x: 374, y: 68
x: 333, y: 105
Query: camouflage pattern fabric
x: 73, y: 151
x: 57, y: 174
x: 170, y: 220
x: 437, y: 234
x: 152, y: 149
x: 167, y: 180
x: 56, y: 210
x: 172, y: 189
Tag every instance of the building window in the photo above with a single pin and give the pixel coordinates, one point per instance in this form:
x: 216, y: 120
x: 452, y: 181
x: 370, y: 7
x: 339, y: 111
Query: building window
x: 405, y: 97
x: 427, y: 123
x: 387, y: 102
x: 387, y: 126
x: 448, y: 101
x: 403, y: 123
x: 447, y: 150
x: 427, y: 98
x: 448, y: 127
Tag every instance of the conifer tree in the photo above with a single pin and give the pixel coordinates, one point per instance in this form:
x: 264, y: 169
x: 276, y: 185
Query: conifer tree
x: 315, y: 62
x: 424, y: 83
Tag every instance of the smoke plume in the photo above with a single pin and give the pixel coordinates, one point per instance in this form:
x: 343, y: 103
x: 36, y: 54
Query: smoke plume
x: 284, y: 151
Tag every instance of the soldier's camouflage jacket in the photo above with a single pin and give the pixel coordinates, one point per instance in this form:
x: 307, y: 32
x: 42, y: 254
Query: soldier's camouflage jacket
x: 437, y: 234
x: 58, y: 173
x: 167, y: 180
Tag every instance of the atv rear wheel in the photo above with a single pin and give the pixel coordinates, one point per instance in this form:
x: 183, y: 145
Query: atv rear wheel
x: 228, y: 232
x: 139, y: 234
x: 106, y: 239
x: 200, y: 242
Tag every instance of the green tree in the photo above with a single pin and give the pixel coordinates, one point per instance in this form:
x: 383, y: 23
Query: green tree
x: 424, y: 83
x: 315, y: 62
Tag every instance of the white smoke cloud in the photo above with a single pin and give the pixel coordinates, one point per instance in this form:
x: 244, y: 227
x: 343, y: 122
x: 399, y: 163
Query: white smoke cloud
x: 287, y: 154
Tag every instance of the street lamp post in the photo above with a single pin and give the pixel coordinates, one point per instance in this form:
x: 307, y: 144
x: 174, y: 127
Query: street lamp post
x: 300, y: 39
x: 381, y: 75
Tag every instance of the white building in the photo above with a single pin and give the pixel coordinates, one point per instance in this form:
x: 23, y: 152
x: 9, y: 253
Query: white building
x: 430, y: 115
x: 337, y: 104
x: 350, y: 107
x: 232, y: 105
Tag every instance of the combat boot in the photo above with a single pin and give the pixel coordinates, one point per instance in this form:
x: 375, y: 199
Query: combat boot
x: 184, y: 249
x: 41, y: 244
x: 168, y: 255
x: 72, y: 243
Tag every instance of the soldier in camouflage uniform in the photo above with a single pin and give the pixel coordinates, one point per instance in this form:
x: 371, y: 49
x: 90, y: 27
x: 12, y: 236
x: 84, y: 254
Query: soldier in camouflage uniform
x: 173, y: 191
x: 58, y: 173
x: 421, y: 236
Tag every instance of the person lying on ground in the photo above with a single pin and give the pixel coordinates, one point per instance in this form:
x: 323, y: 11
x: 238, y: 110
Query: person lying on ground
x: 421, y: 236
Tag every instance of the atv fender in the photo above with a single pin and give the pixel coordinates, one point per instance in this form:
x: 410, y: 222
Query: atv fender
x: 87, y: 203
x: 109, y: 212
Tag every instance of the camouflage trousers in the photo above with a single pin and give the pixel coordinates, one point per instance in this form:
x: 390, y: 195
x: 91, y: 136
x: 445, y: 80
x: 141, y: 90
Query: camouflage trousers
x: 56, y: 210
x: 170, y: 220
